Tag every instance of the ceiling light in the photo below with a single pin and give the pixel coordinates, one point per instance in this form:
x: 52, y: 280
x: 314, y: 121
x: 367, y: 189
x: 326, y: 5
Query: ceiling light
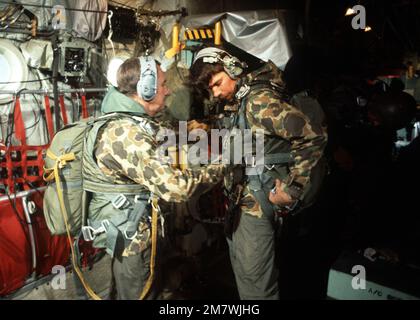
x: 350, y: 12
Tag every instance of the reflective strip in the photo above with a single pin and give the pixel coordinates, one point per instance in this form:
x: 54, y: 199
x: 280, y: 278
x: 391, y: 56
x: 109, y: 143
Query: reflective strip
x: 197, y: 34
x: 190, y: 35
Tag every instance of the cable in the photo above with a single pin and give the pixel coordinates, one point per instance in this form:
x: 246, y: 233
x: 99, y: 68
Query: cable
x: 27, y: 81
x: 5, y: 103
x: 50, y: 7
x: 122, y: 5
x: 111, y: 13
x: 16, y: 212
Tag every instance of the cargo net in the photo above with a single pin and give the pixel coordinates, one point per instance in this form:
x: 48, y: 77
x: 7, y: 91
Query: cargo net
x: 21, y: 167
x: 21, y: 164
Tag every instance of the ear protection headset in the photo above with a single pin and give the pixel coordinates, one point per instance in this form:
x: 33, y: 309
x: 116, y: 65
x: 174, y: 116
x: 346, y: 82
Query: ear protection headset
x: 232, y: 65
x: 147, y: 84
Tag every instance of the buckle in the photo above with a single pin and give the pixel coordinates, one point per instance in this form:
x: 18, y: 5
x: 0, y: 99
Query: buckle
x: 104, y: 226
x: 119, y: 201
x: 126, y: 235
x: 89, y: 233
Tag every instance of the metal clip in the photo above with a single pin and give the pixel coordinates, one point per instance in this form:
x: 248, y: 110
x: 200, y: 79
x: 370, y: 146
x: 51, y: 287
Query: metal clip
x: 119, y: 201
x: 127, y: 237
x: 242, y: 92
x: 162, y: 225
x: 89, y: 233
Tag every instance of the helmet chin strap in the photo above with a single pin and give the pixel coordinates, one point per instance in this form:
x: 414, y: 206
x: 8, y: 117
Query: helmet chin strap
x: 241, y: 89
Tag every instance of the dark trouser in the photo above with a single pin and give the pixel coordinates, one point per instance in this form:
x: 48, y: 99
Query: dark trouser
x: 252, y: 254
x: 131, y: 274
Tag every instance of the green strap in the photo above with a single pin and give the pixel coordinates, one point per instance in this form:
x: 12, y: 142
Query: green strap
x: 121, y: 227
x: 278, y: 158
x: 112, y: 236
x: 112, y: 188
x: 259, y: 187
x: 134, y: 218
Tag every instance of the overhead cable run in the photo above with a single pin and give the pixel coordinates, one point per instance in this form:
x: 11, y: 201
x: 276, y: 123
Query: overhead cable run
x: 50, y: 7
x: 144, y: 12
x: 122, y: 5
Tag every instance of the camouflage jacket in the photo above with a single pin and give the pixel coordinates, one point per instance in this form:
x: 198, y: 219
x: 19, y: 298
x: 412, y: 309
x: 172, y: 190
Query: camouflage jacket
x: 266, y: 110
x: 127, y: 152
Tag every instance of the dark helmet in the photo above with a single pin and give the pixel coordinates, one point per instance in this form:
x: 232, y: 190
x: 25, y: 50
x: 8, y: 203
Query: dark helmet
x: 393, y: 110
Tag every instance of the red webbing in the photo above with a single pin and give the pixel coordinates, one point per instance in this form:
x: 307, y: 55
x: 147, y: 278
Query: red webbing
x: 18, y: 123
x: 84, y: 107
x: 63, y: 110
x: 48, y: 115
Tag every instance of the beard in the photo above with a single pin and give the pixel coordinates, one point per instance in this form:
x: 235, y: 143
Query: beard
x: 222, y: 100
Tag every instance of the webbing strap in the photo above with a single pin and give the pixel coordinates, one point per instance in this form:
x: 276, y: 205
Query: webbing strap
x: 63, y: 110
x: 122, y: 226
x: 19, y: 123
x: 256, y: 186
x: 84, y: 107
x: 278, y: 158
x: 60, y: 162
x: 148, y: 285
x: 101, y: 187
x: 48, y: 115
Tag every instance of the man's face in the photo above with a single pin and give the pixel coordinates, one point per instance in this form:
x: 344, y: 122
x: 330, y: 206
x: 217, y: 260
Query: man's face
x: 222, y: 86
x: 158, y: 103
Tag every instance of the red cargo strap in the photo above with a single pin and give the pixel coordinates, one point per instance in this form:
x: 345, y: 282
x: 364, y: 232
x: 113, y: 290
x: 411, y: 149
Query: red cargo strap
x: 84, y: 107
x: 21, y: 135
x: 19, y: 124
x: 63, y: 110
x: 26, y: 169
x: 48, y: 115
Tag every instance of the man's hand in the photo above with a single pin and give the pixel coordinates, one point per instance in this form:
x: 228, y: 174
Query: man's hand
x: 278, y: 196
x: 194, y: 124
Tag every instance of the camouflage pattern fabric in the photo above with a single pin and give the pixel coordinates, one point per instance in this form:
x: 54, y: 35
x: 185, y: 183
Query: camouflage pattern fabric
x: 266, y: 110
x: 127, y: 152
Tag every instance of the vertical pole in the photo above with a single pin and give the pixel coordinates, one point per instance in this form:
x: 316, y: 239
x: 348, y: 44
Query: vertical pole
x: 218, y: 33
x: 56, y: 60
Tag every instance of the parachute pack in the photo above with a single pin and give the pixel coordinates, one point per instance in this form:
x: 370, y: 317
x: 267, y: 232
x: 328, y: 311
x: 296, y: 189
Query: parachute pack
x: 65, y: 200
x: 64, y: 196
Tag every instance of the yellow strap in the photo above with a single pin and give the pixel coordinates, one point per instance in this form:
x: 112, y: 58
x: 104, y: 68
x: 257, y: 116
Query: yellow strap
x: 149, y: 282
x: 60, y: 162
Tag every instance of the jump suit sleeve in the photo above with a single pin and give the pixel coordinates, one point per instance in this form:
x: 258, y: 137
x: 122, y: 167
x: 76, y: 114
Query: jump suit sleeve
x: 126, y: 152
x: 307, y: 140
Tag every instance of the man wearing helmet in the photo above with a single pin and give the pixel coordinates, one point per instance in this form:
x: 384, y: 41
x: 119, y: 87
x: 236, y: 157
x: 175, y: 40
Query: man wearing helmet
x: 293, y: 145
